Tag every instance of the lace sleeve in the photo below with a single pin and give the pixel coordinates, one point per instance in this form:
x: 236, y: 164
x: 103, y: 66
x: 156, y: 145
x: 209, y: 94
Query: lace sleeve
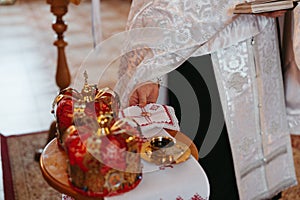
x: 133, y: 58
x: 172, y: 31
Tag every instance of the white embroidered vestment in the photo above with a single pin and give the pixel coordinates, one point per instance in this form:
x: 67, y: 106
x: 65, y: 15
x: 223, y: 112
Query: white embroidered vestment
x: 246, y: 62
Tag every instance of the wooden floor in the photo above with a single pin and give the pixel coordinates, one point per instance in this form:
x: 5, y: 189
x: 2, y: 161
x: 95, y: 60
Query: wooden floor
x: 28, y: 58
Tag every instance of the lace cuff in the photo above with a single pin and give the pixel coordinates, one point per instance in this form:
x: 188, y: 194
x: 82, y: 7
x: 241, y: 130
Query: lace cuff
x: 157, y: 80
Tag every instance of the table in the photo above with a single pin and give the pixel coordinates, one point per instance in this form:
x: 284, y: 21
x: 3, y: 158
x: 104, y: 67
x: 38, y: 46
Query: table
x: 54, y: 168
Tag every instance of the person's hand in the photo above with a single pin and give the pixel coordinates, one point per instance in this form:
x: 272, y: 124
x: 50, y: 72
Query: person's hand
x: 144, y: 94
x: 273, y: 14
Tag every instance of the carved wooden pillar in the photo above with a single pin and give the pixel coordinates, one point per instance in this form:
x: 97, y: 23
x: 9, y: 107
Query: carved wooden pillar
x: 63, y: 78
x: 59, y: 8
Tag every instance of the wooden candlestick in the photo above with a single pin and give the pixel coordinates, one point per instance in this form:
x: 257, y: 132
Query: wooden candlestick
x: 63, y: 78
x: 59, y: 8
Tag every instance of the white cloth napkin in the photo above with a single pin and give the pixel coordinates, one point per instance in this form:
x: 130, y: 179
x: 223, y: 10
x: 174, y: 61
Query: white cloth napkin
x: 152, y: 116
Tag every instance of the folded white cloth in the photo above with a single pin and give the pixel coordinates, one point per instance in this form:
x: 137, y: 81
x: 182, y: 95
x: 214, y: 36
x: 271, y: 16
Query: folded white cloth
x: 152, y: 116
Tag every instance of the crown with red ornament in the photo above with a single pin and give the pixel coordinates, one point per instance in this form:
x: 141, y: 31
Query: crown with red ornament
x: 103, y: 150
x: 89, y: 104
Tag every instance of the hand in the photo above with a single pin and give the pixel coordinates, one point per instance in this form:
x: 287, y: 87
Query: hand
x: 144, y: 94
x: 273, y: 14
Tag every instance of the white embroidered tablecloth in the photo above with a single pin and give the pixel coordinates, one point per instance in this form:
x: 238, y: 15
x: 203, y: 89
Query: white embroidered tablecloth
x: 183, y: 181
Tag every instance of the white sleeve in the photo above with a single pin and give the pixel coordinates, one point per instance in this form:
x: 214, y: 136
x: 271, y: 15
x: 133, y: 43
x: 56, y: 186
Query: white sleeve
x: 176, y: 30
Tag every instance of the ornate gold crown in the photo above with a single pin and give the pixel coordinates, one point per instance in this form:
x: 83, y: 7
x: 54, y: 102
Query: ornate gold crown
x: 103, y: 150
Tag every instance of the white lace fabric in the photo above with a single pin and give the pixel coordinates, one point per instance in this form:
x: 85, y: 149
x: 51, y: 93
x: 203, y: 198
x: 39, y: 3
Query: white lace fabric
x: 180, y: 29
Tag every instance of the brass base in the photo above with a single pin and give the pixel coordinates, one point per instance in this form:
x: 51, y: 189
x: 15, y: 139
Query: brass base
x: 51, y: 136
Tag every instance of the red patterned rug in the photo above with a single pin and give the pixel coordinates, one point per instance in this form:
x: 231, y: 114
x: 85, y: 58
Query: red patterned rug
x: 22, y: 176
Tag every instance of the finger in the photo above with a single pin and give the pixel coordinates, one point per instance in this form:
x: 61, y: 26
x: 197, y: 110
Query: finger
x: 275, y: 13
x: 142, y: 97
x: 133, y: 99
x: 151, y: 99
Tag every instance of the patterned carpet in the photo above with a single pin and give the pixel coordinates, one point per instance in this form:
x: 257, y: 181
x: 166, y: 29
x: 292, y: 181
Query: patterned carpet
x: 22, y: 176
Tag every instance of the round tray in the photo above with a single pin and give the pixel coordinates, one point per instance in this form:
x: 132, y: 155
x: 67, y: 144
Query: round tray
x: 178, y: 153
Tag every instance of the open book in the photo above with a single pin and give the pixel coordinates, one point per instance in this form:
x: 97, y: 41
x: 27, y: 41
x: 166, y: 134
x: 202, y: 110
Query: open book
x: 260, y: 6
